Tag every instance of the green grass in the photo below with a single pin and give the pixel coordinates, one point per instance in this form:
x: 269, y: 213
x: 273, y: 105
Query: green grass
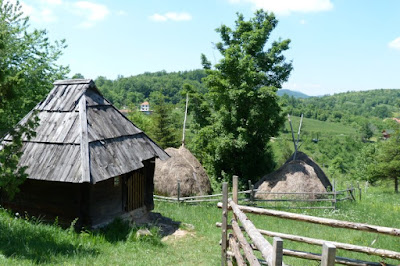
x: 324, y: 128
x: 31, y: 242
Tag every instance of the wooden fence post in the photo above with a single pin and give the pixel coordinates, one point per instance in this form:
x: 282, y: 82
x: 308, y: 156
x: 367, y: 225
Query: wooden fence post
x: 334, y: 194
x: 179, y: 190
x: 235, y: 181
x: 224, y: 223
x: 328, y: 254
x: 277, y: 252
x: 359, y: 190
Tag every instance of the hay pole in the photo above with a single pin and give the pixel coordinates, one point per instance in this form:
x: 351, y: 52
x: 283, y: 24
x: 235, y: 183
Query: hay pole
x: 323, y: 221
x: 184, y: 120
x: 294, y: 141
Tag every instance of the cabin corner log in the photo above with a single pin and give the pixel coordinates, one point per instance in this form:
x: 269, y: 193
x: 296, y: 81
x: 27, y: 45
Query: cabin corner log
x: 317, y: 220
x: 259, y: 241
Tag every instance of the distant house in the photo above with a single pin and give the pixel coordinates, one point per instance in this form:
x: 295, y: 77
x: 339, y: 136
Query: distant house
x: 145, y: 107
x: 87, y: 160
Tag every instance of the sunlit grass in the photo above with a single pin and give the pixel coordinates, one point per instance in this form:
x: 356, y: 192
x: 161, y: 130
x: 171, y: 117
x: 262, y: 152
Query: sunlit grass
x: 30, y: 242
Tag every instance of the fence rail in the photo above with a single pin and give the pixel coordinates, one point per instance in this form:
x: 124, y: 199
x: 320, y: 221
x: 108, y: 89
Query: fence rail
x: 272, y: 254
x: 248, y: 197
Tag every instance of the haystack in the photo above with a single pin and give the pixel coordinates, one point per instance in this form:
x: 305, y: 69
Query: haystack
x: 181, y: 166
x: 301, y: 175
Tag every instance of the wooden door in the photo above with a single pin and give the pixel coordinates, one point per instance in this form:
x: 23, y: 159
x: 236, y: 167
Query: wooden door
x: 135, y: 188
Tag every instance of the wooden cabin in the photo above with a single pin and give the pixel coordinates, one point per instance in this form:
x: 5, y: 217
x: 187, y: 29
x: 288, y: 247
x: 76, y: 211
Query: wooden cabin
x: 87, y: 160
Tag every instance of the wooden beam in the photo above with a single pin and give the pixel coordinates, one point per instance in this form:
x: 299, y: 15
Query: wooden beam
x: 224, y: 223
x: 324, y: 221
x: 235, y: 181
x: 328, y: 254
x: 261, y: 243
x: 236, y: 251
x: 338, y: 260
x: 85, y: 161
x: 314, y: 241
x: 277, y: 259
x: 248, y: 251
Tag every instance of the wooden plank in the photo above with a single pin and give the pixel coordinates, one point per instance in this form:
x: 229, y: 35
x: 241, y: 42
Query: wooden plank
x: 248, y: 251
x: 261, y: 243
x: 328, y: 254
x: 85, y: 161
x: 339, y: 245
x: 233, y: 245
x: 224, y: 223
x: 72, y: 81
x: 324, y: 221
x: 277, y: 258
x: 235, y: 181
x: 338, y: 260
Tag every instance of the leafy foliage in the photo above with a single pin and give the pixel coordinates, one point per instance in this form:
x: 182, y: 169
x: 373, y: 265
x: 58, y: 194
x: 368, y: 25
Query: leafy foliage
x: 242, y: 95
x: 27, y: 67
x: 135, y: 89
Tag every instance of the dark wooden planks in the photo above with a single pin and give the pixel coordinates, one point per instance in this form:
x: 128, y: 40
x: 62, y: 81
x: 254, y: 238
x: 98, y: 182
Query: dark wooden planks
x: 106, y: 122
x: 50, y: 161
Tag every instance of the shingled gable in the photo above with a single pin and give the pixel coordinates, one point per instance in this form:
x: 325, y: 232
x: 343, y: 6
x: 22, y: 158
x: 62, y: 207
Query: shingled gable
x: 81, y: 137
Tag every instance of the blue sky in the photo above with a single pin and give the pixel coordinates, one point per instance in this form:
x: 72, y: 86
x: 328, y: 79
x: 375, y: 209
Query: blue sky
x: 337, y: 45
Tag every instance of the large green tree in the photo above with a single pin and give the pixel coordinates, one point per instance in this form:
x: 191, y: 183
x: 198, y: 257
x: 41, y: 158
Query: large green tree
x: 242, y: 96
x: 27, y: 69
x: 27, y: 65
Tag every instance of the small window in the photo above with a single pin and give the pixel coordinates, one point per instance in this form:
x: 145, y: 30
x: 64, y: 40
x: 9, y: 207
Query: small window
x: 116, y: 181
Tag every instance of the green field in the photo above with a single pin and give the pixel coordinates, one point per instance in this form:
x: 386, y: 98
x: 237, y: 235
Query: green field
x: 324, y: 128
x: 30, y: 242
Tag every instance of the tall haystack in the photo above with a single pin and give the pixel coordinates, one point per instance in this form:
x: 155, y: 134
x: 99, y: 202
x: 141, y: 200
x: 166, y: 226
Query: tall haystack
x: 181, y: 166
x: 301, y: 175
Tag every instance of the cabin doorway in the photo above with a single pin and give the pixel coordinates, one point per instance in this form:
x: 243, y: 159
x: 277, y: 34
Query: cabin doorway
x: 134, y: 188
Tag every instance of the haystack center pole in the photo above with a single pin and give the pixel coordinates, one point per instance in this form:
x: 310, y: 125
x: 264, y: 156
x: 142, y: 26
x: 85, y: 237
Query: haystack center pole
x: 184, y: 121
x: 294, y: 141
x: 298, y: 133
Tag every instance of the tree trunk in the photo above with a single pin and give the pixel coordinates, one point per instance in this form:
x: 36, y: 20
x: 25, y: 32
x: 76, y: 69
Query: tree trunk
x: 396, y: 184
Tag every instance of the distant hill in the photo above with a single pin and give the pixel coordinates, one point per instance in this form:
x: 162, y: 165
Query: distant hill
x: 295, y: 94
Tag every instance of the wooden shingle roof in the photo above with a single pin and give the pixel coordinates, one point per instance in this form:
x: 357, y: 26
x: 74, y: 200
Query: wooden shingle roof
x: 81, y: 137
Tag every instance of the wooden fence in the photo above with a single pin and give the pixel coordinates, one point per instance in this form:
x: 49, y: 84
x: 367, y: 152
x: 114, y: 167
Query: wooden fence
x: 235, y: 247
x: 247, y: 197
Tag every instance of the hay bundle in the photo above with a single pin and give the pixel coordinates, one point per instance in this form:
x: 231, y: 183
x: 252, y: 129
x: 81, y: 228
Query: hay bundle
x: 301, y: 175
x: 181, y: 166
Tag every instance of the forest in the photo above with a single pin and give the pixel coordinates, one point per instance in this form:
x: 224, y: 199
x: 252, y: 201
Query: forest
x: 236, y: 120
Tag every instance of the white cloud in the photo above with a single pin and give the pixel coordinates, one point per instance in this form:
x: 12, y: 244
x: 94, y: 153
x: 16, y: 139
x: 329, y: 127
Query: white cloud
x: 395, y: 44
x: 286, y: 7
x: 171, y: 16
x: 91, y: 12
x: 303, y: 21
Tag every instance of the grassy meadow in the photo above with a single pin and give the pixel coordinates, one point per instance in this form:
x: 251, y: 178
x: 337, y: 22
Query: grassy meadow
x: 31, y: 242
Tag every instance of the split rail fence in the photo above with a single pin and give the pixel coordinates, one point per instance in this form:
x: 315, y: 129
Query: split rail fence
x: 236, y: 248
x: 329, y: 200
